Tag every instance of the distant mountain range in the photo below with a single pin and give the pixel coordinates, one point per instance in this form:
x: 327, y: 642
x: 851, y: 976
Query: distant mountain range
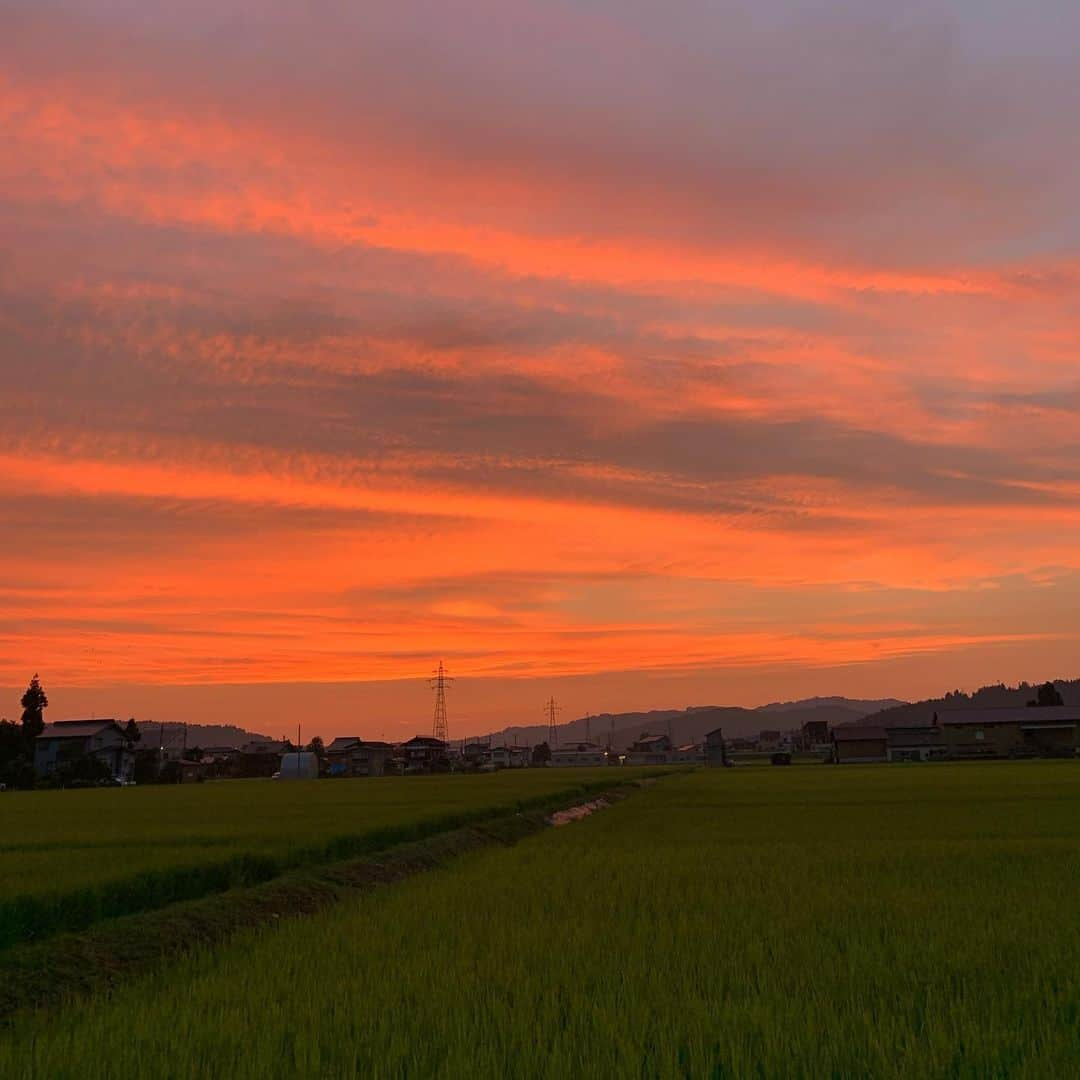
x: 987, y: 697
x: 852, y: 704
x: 692, y: 724
x: 201, y: 735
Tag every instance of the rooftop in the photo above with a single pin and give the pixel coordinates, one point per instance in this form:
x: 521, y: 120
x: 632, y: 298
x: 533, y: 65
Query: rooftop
x: 264, y: 746
x: 343, y: 742
x: 75, y: 729
x: 857, y: 733
x: 1047, y: 714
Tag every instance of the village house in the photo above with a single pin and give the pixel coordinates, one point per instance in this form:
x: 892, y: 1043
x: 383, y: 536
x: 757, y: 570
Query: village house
x: 260, y: 757
x: 189, y: 771
x: 922, y: 743
x: 422, y: 753
x: 715, y: 750
x: 690, y: 754
x: 66, y: 742
x: 216, y: 755
x: 474, y: 752
x: 352, y: 756
x: 650, y: 750
x: 741, y: 745
x: 770, y: 740
x: 217, y: 762
x: 578, y: 754
x: 1049, y: 731
x: 814, y: 735
x: 507, y: 757
x: 855, y: 744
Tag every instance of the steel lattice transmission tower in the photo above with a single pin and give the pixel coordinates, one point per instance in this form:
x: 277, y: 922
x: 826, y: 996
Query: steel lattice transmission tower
x: 439, y: 682
x: 551, y: 710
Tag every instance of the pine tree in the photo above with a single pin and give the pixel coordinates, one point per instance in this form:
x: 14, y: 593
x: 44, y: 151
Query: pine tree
x: 34, y: 703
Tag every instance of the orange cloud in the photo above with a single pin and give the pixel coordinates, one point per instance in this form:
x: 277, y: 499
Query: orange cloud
x: 288, y: 403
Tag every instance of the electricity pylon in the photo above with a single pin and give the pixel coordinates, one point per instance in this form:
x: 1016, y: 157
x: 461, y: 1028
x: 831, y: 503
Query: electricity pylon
x: 551, y: 708
x: 439, y: 683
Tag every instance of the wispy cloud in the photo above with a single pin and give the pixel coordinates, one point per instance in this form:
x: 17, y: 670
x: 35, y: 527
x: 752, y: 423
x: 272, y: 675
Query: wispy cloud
x: 331, y: 340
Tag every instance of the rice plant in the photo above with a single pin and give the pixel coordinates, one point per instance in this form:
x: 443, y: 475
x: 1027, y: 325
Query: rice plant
x: 892, y: 922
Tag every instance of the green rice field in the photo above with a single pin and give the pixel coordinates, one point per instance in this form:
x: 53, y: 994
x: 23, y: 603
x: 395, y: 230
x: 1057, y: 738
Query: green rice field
x: 69, y: 856
x: 888, y: 921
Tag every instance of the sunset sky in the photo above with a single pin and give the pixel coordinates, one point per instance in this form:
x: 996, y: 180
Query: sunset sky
x: 643, y: 354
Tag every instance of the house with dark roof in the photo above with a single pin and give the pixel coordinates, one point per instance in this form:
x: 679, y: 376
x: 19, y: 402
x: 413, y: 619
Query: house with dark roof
x: 715, y: 749
x: 260, y: 757
x: 920, y: 743
x: 814, y: 735
x: 352, y: 756
x: 474, y: 752
x: 770, y: 740
x: 650, y: 750
x: 422, y: 753
x: 856, y: 744
x: 688, y: 754
x: 65, y: 742
x: 507, y: 757
x: 1048, y: 731
x: 581, y: 754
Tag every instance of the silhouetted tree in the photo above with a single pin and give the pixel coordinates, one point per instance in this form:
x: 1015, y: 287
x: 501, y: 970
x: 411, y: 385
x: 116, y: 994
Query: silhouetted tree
x: 1046, y: 696
x: 316, y: 746
x: 10, y: 739
x: 541, y: 754
x: 34, y: 703
x: 16, y: 766
x: 132, y: 732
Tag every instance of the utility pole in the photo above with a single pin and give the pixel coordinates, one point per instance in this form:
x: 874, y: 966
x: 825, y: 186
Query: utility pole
x: 588, y: 727
x: 439, y: 683
x: 551, y: 708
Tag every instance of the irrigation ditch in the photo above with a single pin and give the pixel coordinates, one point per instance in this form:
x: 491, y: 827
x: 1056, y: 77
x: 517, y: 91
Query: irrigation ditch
x: 67, y: 965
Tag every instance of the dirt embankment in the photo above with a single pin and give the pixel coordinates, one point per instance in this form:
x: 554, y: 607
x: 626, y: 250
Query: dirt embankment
x: 68, y: 965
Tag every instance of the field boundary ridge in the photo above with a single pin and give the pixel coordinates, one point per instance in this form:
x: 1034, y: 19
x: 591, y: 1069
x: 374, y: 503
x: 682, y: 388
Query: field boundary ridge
x: 72, y: 964
x: 37, y: 917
